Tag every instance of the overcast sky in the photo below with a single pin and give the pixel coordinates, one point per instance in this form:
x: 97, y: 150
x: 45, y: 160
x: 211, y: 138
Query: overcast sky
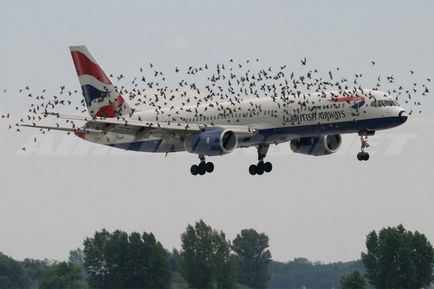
x: 63, y: 189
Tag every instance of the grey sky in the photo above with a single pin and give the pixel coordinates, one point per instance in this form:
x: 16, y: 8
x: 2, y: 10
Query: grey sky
x: 321, y: 208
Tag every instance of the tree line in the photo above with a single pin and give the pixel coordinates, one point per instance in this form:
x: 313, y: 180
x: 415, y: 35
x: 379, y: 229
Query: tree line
x: 395, y: 258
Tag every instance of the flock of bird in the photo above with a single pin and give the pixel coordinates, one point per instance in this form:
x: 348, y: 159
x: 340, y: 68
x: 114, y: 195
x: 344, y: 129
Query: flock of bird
x: 227, y: 82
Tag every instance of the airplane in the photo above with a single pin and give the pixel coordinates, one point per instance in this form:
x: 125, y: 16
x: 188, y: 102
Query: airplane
x: 312, y: 123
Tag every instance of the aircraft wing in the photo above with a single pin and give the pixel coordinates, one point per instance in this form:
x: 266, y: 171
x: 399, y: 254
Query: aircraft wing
x: 135, y: 127
x: 68, y: 129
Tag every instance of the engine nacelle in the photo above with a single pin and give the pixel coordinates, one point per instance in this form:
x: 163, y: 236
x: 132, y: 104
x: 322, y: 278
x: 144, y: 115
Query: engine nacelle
x: 212, y: 142
x: 316, y: 145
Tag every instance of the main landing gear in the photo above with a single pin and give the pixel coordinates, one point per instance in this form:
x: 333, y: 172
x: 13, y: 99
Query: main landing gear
x: 364, y: 156
x: 202, y: 168
x: 262, y: 166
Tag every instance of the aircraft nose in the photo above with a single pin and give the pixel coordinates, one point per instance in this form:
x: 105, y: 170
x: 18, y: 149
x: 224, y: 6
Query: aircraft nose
x: 402, y: 116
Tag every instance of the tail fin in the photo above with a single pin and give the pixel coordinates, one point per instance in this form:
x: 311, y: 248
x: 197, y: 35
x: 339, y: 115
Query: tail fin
x: 101, y: 96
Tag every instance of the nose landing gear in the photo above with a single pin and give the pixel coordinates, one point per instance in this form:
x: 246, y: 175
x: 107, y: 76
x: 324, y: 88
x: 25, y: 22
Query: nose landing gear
x: 364, y: 156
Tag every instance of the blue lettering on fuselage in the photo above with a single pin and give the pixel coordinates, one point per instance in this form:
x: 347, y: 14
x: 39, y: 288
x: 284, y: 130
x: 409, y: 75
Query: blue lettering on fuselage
x: 315, y: 116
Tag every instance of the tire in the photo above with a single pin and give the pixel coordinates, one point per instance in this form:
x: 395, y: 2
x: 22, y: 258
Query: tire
x: 260, y: 168
x: 209, y: 167
x: 366, y: 157
x: 202, y: 170
x: 268, y: 167
x: 194, y: 170
x: 360, y: 156
x: 252, y: 170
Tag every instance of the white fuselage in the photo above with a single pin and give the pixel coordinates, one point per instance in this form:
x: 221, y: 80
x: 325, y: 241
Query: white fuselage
x: 276, y: 120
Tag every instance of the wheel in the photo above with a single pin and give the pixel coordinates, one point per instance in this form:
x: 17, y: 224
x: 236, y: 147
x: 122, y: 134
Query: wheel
x: 202, y: 170
x: 194, y: 170
x: 268, y: 167
x: 260, y: 168
x: 202, y: 166
x: 209, y: 167
x: 360, y: 156
x: 365, y: 156
x: 252, y: 170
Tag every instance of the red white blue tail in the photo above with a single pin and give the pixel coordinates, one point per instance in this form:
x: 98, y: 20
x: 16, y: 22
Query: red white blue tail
x: 101, y: 96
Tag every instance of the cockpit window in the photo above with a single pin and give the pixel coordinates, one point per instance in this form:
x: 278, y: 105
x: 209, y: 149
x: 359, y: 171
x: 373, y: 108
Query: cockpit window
x: 389, y: 102
x: 386, y: 102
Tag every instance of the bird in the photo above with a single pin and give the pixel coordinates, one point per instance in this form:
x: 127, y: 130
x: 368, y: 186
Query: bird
x: 227, y: 83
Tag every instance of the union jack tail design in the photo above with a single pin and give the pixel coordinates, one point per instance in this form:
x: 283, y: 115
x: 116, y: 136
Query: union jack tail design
x: 101, y: 97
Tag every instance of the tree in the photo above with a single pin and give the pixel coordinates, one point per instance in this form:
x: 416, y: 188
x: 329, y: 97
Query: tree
x: 76, y: 257
x: 301, y: 273
x: 196, y: 256
x: 36, y: 269
x: 119, y: 260
x: 206, y: 261
x: 61, y: 276
x: 12, y: 274
x: 397, y: 258
x: 159, y: 275
x: 224, y: 263
x: 355, y: 280
x: 253, y: 258
x: 96, y: 259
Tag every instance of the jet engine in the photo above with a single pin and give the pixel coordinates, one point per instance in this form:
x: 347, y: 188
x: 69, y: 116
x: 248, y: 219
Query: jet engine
x: 316, y: 145
x: 212, y: 142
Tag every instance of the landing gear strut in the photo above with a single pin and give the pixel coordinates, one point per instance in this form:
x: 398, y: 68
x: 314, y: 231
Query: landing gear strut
x: 262, y: 166
x: 364, y: 156
x: 202, y: 168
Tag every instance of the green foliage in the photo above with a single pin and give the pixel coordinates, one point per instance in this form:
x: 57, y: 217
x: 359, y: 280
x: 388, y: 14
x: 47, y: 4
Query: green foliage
x: 397, y: 258
x: 12, y: 274
x: 158, y: 266
x: 119, y: 260
x: 206, y: 261
x: 303, y: 273
x: 197, y: 253
x: 253, y: 258
x: 61, y: 276
x: 36, y: 269
x: 98, y: 259
x: 76, y: 257
x: 175, y: 268
x: 224, y: 263
x: 355, y: 280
